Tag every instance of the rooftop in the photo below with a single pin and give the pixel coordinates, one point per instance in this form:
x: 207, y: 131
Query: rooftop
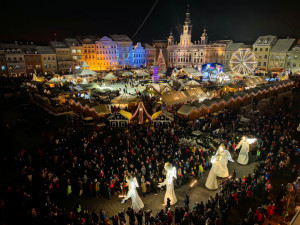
x: 45, y: 50
x: 265, y: 40
x: 58, y: 44
x: 120, y: 37
x: 283, y: 45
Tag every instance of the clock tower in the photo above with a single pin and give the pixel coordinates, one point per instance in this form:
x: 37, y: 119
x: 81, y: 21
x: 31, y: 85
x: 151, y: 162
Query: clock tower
x: 186, y: 36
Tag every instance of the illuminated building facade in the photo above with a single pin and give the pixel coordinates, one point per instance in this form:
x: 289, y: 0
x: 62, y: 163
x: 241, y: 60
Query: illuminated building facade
x: 14, y: 58
x: 293, y: 59
x: 33, y: 60
x: 106, y: 50
x: 215, y: 53
x: 261, y: 49
x: 3, y: 65
x: 138, y: 56
x: 278, y: 54
x: 161, y: 45
x: 48, y: 59
x: 150, y: 53
x: 75, y: 50
x: 124, y: 49
x: 89, y: 53
x: 63, y: 53
x: 185, y: 53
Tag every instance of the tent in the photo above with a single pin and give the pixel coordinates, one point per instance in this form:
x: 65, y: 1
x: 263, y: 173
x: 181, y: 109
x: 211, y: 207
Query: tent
x: 125, y: 100
x: 127, y: 73
x: 192, y: 83
x: 142, y: 74
x: 110, y: 76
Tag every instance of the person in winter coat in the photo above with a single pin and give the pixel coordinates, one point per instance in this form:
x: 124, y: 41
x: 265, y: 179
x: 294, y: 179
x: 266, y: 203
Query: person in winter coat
x: 270, y: 210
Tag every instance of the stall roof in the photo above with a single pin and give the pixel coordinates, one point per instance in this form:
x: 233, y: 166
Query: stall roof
x: 126, y: 114
x: 125, y: 98
x: 186, y: 109
x: 101, y: 109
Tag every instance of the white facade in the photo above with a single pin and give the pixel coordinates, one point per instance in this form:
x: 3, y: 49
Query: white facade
x: 106, y: 50
x: 185, y: 53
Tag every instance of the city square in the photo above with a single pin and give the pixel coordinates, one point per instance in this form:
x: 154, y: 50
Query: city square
x: 183, y: 126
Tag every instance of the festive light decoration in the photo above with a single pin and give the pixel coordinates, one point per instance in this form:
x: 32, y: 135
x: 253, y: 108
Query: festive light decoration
x: 243, y: 62
x: 161, y: 60
x: 141, y: 109
x: 193, y: 183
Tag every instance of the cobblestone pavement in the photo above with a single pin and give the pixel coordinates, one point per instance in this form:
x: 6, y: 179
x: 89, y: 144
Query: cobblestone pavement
x: 198, y: 193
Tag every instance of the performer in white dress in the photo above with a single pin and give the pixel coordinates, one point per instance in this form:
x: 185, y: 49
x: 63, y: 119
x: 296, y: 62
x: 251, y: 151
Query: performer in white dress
x: 170, y: 174
x: 132, y: 184
x: 225, y: 156
x: 216, y: 170
x: 243, y: 156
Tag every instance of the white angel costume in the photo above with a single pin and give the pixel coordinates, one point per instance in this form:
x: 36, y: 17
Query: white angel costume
x: 170, y: 193
x: 137, y: 203
x: 225, y: 156
x: 243, y: 156
x: 216, y: 170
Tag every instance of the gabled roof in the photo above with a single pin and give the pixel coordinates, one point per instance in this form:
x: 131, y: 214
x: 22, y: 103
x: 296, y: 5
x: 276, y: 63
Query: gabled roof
x: 126, y: 114
x: 105, y: 38
x: 166, y: 113
x: 186, y: 109
x: 58, y: 44
x: 283, y: 45
x: 101, y: 109
x: 189, y: 70
x: 147, y: 46
x: 265, y: 40
x: 125, y: 98
x: 45, y: 50
x: 234, y: 46
x: 120, y: 38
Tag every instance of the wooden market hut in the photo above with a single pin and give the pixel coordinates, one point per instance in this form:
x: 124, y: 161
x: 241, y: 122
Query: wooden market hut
x: 158, y: 89
x: 188, y: 112
x: 229, y: 99
x: 97, y: 111
x: 125, y: 100
x: 162, y: 117
x: 119, y: 119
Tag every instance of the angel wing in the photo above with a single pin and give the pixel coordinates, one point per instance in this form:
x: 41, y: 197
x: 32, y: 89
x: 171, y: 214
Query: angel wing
x: 174, y: 174
x: 251, y: 140
x: 135, y: 182
x: 229, y: 156
x: 213, y: 159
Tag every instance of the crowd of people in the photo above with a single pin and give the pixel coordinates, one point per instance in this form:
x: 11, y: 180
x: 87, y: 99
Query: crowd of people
x: 80, y: 161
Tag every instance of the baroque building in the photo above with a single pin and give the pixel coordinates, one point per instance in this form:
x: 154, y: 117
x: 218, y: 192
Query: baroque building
x: 185, y: 53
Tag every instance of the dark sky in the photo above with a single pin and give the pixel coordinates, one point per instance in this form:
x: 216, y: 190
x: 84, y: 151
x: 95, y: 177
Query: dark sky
x: 239, y: 20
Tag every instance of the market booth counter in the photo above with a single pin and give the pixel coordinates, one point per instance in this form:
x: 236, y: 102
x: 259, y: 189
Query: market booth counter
x: 119, y: 119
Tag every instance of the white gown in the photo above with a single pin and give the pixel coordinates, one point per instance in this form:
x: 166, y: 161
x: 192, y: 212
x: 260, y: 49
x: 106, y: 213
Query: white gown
x: 243, y: 156
x: 170, y: 193
x: 225, y: 156
x: 137, y: 203
x: 216, y: 170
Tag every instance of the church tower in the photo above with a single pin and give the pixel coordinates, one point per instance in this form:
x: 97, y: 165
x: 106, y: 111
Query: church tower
x: 204, y: 37
x: 186, y: 36
x: 171, y: 39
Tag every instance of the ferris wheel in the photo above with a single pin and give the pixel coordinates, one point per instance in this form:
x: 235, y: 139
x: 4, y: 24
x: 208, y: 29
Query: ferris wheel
x: 243, y: 62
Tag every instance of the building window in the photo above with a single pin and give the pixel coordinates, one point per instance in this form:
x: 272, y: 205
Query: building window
x: 267, y: 49
x: 265, y: 64
x: 261, y: 49
x: 259, y: 64
x: 255, y: 49
x: 45, y: 65
x: 266, y: 56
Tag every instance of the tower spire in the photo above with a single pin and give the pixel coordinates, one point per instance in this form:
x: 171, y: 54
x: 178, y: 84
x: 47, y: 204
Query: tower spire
x: 187, y: 16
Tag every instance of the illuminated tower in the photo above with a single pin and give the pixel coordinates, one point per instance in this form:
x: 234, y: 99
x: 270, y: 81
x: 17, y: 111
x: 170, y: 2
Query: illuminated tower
x: 204, y: 37
x: 186, y: 36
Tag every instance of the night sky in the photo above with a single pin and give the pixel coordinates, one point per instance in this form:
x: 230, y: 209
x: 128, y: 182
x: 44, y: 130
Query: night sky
x: 242, y: 20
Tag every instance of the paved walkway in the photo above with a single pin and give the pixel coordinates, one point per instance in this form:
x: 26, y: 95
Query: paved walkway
x: 197, y: 194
